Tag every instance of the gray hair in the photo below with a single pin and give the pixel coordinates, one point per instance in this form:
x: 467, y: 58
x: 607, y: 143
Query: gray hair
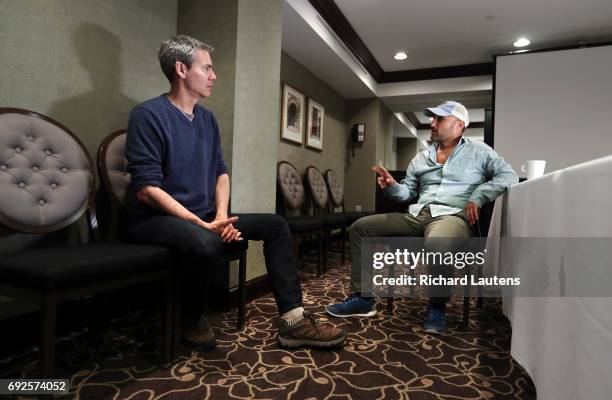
x: 179, y: 48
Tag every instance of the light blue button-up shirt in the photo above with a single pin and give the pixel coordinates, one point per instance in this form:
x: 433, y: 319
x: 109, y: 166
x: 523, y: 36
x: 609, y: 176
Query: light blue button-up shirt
x: 446, y: 188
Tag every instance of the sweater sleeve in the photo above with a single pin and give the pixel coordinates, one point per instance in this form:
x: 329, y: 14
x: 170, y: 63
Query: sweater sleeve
x: 221, y: 167
x: 144, y: 149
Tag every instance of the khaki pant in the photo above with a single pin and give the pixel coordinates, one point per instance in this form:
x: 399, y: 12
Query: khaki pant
x: 402, y: 224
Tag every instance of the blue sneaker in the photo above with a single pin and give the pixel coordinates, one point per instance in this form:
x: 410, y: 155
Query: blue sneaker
x: 354, y: 306
x: 435, y: 322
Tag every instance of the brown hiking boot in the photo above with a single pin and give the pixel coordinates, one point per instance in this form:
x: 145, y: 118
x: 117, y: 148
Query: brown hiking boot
x: 202, y: 338
x: 310, y: 332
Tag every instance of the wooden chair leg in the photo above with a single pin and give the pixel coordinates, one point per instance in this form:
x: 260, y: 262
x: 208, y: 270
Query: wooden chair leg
x: 48, y: 318
x: 168, y: 321
x: 296, y: 246
x: 319, y: 253
x: 390, y: 290
x: 466, y: 307
x: 343, y: 244
x: 177, y: 310
x: 479, y: 303
x: 241, y: 290
x: 326, y: 247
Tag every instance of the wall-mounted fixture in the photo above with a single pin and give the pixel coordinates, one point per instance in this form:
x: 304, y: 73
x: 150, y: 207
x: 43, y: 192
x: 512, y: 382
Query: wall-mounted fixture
x: 358, y: 134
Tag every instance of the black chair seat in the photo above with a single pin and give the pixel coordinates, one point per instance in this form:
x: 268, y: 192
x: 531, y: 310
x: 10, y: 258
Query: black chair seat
x: 353, y: 216
x: 233, y: 250
x: 305, y: 224
x: 335, y: 221
x: 75, y: 265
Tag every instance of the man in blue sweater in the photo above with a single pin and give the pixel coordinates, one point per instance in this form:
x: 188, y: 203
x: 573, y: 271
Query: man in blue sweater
x: 180, y: 192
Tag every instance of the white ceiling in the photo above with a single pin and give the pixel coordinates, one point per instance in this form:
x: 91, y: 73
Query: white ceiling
x: 437, y: 33
x: 434, y: 33
x: 302, y: 43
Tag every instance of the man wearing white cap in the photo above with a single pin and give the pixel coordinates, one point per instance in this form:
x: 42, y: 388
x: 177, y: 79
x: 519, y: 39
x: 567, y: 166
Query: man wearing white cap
x: 448, y: 182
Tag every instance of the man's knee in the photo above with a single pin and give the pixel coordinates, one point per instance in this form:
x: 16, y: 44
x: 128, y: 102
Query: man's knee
x: 359, y: 227
x: 277, y: 224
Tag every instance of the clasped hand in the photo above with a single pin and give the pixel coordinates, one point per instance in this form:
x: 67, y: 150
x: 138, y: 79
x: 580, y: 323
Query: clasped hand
x: 224, y: 226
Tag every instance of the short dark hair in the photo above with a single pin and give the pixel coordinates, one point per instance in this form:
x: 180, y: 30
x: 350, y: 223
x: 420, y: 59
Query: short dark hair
x: 179, y: 48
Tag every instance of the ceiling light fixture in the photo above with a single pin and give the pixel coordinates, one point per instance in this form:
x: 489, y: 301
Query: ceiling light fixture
x: 522, y: 42
x: 400, y: 56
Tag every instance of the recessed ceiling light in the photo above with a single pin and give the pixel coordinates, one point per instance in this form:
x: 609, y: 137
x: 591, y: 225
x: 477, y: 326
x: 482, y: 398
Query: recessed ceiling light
x: 522, y: 42
x: 400, y: 56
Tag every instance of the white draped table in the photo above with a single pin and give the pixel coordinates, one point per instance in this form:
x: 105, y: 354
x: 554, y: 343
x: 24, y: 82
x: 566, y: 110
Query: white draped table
x: 564, y: 343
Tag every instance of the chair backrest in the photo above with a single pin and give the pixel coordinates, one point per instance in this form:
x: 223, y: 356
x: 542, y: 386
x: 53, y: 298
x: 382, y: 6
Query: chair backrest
x: 317, y: 187
x: 112, y: 167
x: 290, y: 186
x: 336, y: 189
x: 46, y: 176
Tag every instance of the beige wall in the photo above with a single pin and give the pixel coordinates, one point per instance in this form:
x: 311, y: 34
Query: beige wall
x: 378, y: 146
x: 85, y: 63
x: 335, y: 131
x: 215, y: 23
x: 386, y: 149
x: 257, y: 113
x: 406, y: 150
x: 359, y: 179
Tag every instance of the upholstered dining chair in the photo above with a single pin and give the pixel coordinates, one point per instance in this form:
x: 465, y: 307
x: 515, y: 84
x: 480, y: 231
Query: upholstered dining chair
x: 336, y: 196
x: 320, y: 197
x: 112, y: 167
x: 290, y: 203
x: 47, y: 185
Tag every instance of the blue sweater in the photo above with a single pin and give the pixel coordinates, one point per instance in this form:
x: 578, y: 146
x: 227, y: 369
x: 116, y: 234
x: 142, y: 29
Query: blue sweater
x: 182, y: 157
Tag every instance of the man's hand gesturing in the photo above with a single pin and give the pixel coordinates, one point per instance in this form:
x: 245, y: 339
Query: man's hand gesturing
x: 384, y: 178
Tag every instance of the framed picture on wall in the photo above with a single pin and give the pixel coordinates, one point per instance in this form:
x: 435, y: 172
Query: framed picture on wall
x: 293, y: 108
x: 314, y: 127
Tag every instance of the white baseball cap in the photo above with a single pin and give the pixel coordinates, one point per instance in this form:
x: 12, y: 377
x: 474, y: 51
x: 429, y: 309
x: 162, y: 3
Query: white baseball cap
x: 449, y: 108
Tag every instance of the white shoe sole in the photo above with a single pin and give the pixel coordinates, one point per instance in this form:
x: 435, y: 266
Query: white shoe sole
x: 432, y: 330
x: 368, y: 314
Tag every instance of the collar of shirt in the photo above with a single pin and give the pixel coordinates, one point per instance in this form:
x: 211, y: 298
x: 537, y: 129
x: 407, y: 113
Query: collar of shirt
x: 434, y: 147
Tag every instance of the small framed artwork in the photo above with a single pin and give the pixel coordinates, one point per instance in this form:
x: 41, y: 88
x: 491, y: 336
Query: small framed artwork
x: 314, y: 127
x: 293, y: 108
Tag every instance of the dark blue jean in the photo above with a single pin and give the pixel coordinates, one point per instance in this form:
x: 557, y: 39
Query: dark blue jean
x: 199, y: 248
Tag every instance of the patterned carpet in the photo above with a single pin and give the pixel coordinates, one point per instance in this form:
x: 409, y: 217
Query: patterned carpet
x: 385, y: 357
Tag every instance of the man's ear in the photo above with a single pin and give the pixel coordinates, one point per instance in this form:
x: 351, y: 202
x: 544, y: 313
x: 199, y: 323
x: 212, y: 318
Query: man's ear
x: 180, y: 69
x: 461, y: 125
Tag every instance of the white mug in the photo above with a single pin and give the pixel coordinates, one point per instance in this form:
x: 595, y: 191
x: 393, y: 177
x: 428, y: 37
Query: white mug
x: 534, y: 168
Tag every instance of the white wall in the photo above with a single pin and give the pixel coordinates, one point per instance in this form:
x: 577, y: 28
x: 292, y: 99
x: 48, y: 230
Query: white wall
x: 554, y: 106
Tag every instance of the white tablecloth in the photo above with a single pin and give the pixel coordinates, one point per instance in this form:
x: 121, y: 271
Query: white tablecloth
x: 564, y: 343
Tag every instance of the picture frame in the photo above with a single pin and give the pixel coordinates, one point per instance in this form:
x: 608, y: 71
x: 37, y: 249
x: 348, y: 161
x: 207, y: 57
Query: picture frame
x: 314, y: 127
x: 293, y: 110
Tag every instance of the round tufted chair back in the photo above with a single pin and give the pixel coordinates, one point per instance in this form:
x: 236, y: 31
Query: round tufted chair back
x: 336, y: 189
x: 290, y: 186
x: 112, y: 166
x: 45, y: 173
x: 318, y: 189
